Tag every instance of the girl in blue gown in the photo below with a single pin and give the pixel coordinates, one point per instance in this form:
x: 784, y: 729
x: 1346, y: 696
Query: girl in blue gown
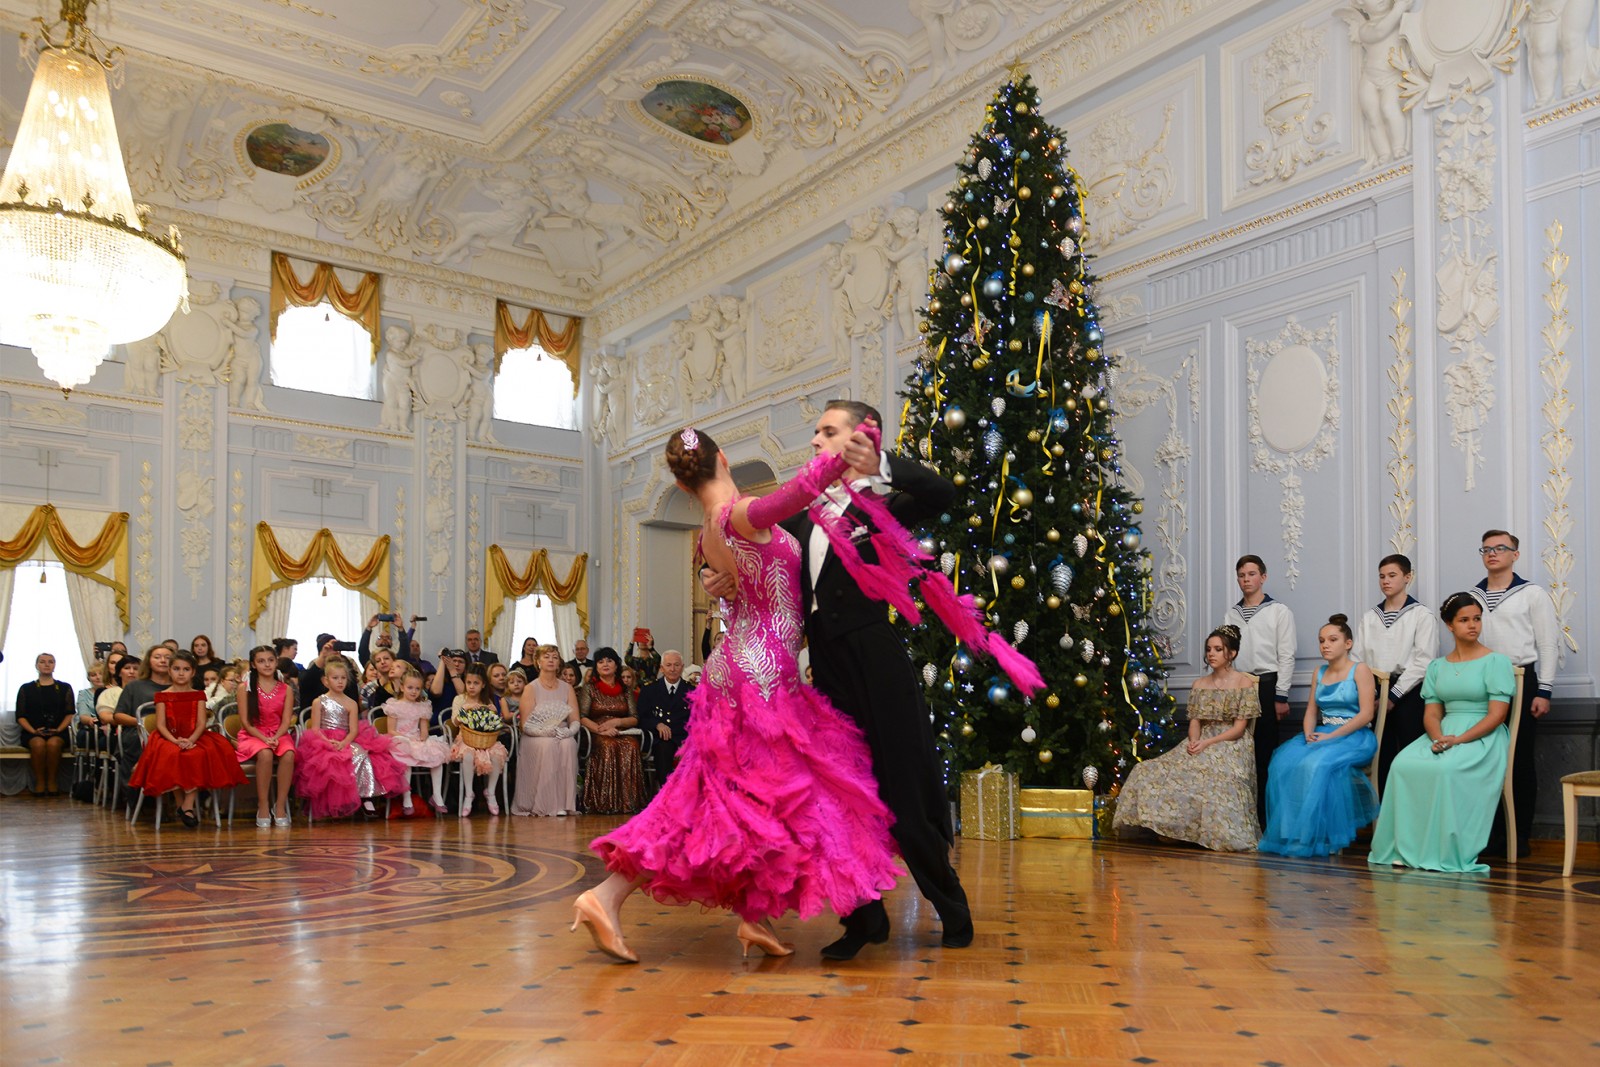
x: 1318, y: 794
x: 1443, y: 788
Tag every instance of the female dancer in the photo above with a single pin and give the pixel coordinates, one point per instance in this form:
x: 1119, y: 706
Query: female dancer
x: 1444, y: 787
x: 1318, y: 795
x: 1205, y: 789
x: 1399, y: 637
x: 772, y: 806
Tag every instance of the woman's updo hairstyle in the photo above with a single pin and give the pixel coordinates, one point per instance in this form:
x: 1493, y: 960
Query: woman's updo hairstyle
x: 1343, y: 623
x: 692, y: 457
x: 1453, y: 605
x: 1228, y: 634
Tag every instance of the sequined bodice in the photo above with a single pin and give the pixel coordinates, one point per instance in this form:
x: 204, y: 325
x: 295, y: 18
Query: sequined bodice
x: 334, y: 718
x: 764, y: 625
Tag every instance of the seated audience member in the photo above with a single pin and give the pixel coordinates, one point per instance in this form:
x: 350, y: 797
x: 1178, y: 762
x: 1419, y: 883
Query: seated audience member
x: 582, y: 660
x: 630, y: 682
x: 497, y: 683
x: 664, y: 712
x: 183, y: 756
x: 341, y: 762
x: 477, y: 719
x: 225, y: 690
x: 643, y: 657
x: 613, y: 784
x: 1444, y: 788
x: 125, y: 670
x: 172, y: 643
x: 447, y: 683
x: 547, y: 754
x: 155, y: 675
x: 205, y: 656
x: 1204, y: 790
x: 310, y: 681
x: 1399, y: 637
x: 287, y: 649
x: 266, y: 717
x: 419, y: 661
x: 529, y: 659
x: 388, y: 676
x: 1318, y: 794
x: 44, y: 717
x: 413, y: 744
x: 475, y: 651
x: 516, y: 685
x: 569, y: 674
x: 83, y: 707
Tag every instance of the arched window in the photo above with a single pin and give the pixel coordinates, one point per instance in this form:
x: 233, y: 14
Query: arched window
x: 536, y: 389
x: 319, y: 350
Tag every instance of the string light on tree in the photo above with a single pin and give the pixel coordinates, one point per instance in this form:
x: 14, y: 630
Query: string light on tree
x: 1013, y: 400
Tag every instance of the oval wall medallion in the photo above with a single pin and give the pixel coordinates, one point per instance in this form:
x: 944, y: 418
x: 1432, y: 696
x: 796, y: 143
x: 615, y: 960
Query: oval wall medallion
x: 698, y: 110
x: 1294, y: 399
x: 285, y: 149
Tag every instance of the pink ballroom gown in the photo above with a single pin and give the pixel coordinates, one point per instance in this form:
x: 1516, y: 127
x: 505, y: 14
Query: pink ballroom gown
x: 773, y: 806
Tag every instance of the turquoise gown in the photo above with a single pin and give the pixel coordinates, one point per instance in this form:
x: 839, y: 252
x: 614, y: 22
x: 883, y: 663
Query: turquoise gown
x: 1438, y: 807
x: 1318, y: 795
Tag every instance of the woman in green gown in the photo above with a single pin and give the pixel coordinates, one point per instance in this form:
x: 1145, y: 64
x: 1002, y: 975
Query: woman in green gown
x: 1439, y: 803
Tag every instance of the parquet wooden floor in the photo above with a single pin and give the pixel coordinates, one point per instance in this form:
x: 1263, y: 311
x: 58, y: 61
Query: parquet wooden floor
x: 446, y: 942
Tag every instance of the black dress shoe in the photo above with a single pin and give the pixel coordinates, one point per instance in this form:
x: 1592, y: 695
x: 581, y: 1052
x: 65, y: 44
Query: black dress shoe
x: 190, y: 819
x: 854, y: 941
x: 957, y: 936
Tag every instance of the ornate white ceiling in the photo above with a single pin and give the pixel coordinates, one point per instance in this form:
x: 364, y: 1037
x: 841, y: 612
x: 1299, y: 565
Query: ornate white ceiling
x: 510, y: 139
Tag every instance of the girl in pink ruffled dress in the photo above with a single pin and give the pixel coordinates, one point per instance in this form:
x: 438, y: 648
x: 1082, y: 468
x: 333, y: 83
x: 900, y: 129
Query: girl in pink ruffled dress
x: 773, y: 806
x: 343, y: 762
x: 409, y: 739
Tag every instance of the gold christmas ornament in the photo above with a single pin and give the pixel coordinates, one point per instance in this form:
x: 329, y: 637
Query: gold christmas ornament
x: 1053, y: 535
x: 1115, y: 608
x: 959, y: 478
x: 1138, y: 507
x: 934, y: 307
x: 1015, y: 242
x: 1079, y: 680
x: 1052, y: 602
x: 966, y: 300
x: 923, y: 327
x: 1024, y: 193
x: 1070, y: 403
x: 1052, y: 701
x: 1045, y: 755
x: 1105, y: 455
x: 980, y: 363
x: 1014, y: 345
x: 1033, y: 436
x: 1022, y: 107
x: 1027, y: 270
x: 1057, y: 450
x: 974, y: 521
x: 967, y: 730
x: 1075, y: 287
x: 928, y: 391
x: 1055, y: 190
x: 1091, y: 354
x: 983, y: 222
x: 1103, y: 405
x: 1053, y: 143
x: 1017, y: 581
x: 1023, y: 497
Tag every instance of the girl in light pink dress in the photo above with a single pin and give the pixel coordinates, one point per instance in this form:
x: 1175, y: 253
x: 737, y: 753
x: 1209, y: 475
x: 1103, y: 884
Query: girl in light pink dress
x: 409, y: 739
x: 266, y: 713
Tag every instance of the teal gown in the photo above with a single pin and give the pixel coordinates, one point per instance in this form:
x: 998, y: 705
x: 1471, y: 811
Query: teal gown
x: 1318, y: 795
x: 1438, y: 808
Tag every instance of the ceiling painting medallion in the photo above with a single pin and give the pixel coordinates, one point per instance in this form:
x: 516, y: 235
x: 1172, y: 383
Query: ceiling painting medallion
x: 279, y: 148
x: 698, y: 110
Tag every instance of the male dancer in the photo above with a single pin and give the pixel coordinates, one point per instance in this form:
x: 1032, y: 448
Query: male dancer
x: 861, y: 666
x: 1519, y: 621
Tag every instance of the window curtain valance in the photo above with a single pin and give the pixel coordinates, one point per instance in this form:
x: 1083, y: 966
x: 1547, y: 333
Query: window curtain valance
x: 273, y: 568
x: 360, y: 303
x: 562, y: 344
x: 505, y: 583
x: 89, y: 554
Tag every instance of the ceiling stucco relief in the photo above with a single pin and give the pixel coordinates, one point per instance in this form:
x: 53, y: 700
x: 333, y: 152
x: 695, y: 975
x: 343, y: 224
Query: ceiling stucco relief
x: 500, y: 146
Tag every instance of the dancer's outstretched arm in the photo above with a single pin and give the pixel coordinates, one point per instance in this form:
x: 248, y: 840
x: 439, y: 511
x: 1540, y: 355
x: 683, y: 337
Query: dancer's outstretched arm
x: 796, y: 495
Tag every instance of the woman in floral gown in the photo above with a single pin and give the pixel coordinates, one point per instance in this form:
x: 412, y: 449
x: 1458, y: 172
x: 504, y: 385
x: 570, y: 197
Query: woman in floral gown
x: 1205, y: 789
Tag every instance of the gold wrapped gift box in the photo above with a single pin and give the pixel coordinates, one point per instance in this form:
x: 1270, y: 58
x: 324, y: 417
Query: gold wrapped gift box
x: 1057, y: 813
x: 989, y: 804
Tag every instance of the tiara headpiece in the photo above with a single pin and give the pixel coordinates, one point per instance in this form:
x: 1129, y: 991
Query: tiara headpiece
x: 690, y: 439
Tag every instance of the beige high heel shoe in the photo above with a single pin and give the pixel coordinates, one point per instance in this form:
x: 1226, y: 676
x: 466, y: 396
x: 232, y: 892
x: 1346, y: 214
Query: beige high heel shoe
x: 607, y: 938
x: 764, y: 938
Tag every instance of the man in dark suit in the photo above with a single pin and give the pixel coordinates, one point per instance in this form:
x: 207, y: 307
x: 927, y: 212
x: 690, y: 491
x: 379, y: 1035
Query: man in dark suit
x: 581, y: 660
x: 476, y: 653
x: 860, y: 664
x: 664, y: 712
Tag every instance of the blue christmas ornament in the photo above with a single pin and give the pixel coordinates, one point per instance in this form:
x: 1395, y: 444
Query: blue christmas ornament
x: 999, y: 693
x: 1095, y: 336
x: 963, y: 662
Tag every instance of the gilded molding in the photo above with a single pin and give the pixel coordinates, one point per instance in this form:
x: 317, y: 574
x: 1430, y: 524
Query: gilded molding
x: 144, y: 622
x: 1402, y: 469
x: 1558, y: 446
x: 238, y: 559
x: 1565, y: 111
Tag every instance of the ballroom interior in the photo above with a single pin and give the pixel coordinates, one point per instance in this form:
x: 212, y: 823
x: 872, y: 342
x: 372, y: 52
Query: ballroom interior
x: 457, y: 269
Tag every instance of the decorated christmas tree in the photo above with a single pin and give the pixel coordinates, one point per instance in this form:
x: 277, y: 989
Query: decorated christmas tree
x: 1013, y: 400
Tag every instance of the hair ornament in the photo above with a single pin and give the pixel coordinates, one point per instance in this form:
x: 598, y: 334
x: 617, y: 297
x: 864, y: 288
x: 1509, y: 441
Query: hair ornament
x: 690, y: 439
x: 1230, y: 630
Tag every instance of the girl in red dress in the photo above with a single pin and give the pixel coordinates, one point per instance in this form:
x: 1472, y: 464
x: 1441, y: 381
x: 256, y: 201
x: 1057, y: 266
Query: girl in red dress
x: 182, y: 754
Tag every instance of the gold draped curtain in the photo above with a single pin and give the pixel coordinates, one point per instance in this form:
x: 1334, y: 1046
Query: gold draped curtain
x: 288, y: 291
x: 508, y: 334
x: 505, y: 583
x: 273, y: 569
x: 111, y: 545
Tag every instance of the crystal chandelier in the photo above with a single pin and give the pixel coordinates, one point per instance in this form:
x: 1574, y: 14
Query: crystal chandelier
x: 79, y: 267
